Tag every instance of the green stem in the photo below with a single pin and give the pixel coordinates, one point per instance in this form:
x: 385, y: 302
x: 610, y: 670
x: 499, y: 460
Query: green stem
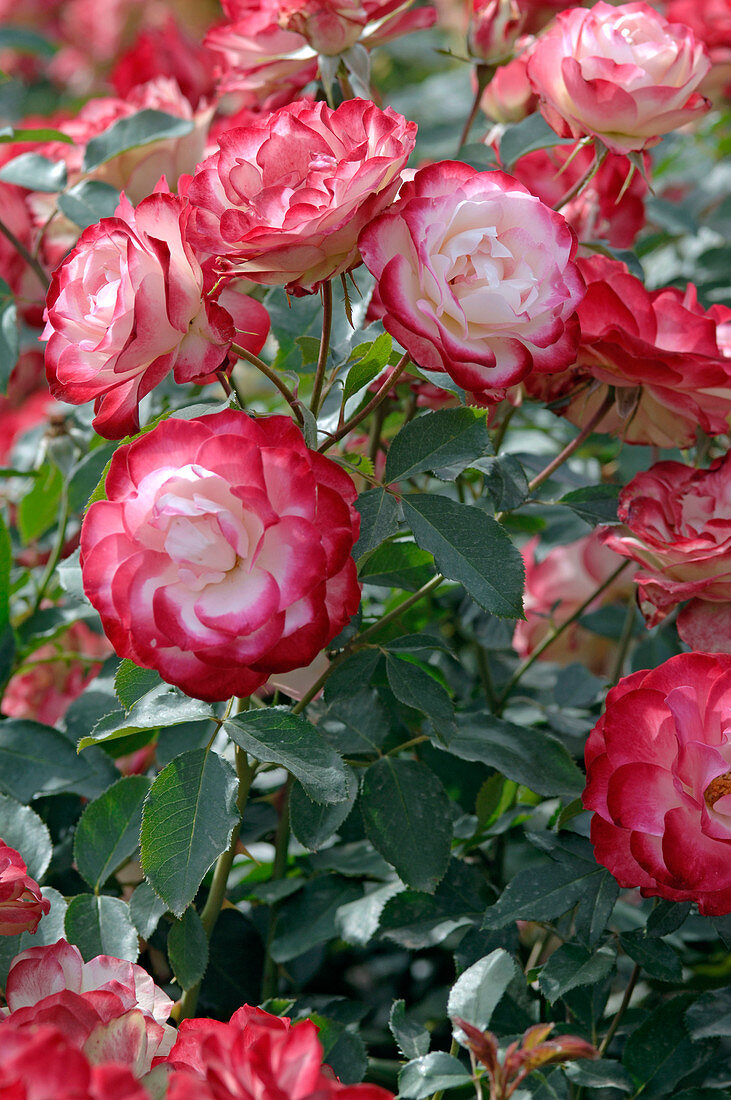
x: 327, y: 317
x: 499, y: 436
x: 622, y: 1009
x: 484, y: 74
x: 281, y: 845
x: 453, y: 1050
x: 273, y: 377
x: 57, y: 549
x: 217, y: 893
x: 375, y: 401
x: 397, y: 612
x: 600, y: 155
x: 551, y: 638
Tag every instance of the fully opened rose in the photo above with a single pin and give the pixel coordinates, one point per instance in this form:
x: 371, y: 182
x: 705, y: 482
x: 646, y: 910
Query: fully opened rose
x: 285, y: 199
x: 659, y: 781
x: 476, y: 277
x: 621, y: 74
x: 127, y: 307
x: 222, y: 554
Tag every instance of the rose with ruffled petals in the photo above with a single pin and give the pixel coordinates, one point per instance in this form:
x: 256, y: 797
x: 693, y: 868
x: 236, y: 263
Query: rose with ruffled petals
x: 222, y: 554
x: 509, y: 97
x: 658, y: 768
x: 21, y: 903
x: 127, y: 306
x: 476, y: 277
x: 621, y: 74
x: 667, y: 359
x: 285, y: 198
x: 677, y: 525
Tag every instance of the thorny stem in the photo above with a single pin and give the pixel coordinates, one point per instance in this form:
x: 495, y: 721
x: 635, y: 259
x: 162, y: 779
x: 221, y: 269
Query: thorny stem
x: 225, y: 384
x: 273, y: 377
x: 551, y: 638
x: 622, y: 1009
x: 217, y: 893
x: 375, y: 401
x: 600, y: 155
x: 281, y: 844
x: 327, y: 316
x: 575, y: 443
x: 23, y: 251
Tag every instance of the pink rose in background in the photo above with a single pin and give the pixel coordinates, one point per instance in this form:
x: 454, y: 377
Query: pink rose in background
x: 556, y: 587
x: 710, y: 21
x: 109, y: 1009
x: 255, y: 1055
x: 666, y: 357
x: 598, y: 211
x: 126, y: 307
x: 57, y: 676
x: 21, y: 902
x: 494, y: 28
x: 677, y: 525
x: 167, y: 50
x: 26, y: 403
x: 40, y: 1062
x: 621, y: 74
x: 476, y: 277
x: 285, y: 199
x: 509, y: 96
x: 658, y: 766
x: 223, y: 552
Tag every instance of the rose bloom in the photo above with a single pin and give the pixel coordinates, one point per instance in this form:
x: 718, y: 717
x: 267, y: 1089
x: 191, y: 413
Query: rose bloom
x: 598, y: 211
x: 509, y: 96
x: 621, y: 74
x: 109, y: 1009
x: 38, y: 1063
x: 167, y: 50
x: 26, y: 403
x: 710, y: 21
x: 476, y: 277
x: 222, y: 554
x: 56, y: 676
x: 127, y: 306
x: 255, y: 1055
x: 269, y: 44
x: 667, y: 358
x: 658, y: 767
x: 556, y: 587
x: 21, y: 903
x: 285, y: 199
x: 677, y: 525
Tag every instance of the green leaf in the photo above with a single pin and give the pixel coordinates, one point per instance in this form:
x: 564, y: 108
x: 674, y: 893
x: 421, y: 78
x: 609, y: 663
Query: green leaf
x: 407, y: 818
x: 412, y: 1038
x: 710, y: 1015
x: 529, y: 756
x: 109, y: 829
x: 233, y: 975
x: 86, y: 475
x: 571, y: 965
x: 655, y: 957
x: 357, y: 922
x: 35, y: 172
x: 160, y: 708
x: 415, y: 687
x: 88, y: 201
x: 659, y: 1053
x: 9, y: 342
x: 602, y: 1074
x: 356, y: 723
x: 146, y: 909
x: 415, y: 920
x: 667, y: 917
x: 416, y: 643
x: 188, y: 949
x: 374, y: 360
x: 38, y: 509
x: 506, y: 482
x: 398, y: 565
x: 101, y: 925
x: 595, y: 907
x: 25, y: 40
x: 309, y: 918
x: 132, y: 682
x: 435, y: 1072
x: 526, y: 136
x: 7, y: 636
x: 379, y: 519
x: 187, y: 821
x: 21, y: 828
x: 494, y: 798
x: 471, y: 548
x: 44, y: 133
x: 36, y: 760
x: 130, y: 132
x: 342, y: 1050
x: 313, y: 823
x: 475, y: 994
x: 275, y: 736
x: 540, y: 893
x: 593, y: 503
x: 447, y: 438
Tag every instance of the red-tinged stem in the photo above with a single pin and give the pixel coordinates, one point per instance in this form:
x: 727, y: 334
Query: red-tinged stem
x: 375, y: 401
x: 23, y: 251
x: 575, y: 443
x: 327, y: 316
x: 273, y: 377
x: 600, y: 156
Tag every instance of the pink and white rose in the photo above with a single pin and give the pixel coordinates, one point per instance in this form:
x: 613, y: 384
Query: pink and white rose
x: 21, y: 902
x: 127, y: 306
x: 621, y: 74
x: 283, y: 201
x: 477, y: 277
x: 223, y: 552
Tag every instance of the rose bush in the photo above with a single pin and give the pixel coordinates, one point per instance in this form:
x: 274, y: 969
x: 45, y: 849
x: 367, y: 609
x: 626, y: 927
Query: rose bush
x: 476, y: 277
x: 222, y: 554
x: 621, y: 74
x: 127, y: 306
x: 659, y: 781
x: 21, y: 903
x: 283, y: 201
